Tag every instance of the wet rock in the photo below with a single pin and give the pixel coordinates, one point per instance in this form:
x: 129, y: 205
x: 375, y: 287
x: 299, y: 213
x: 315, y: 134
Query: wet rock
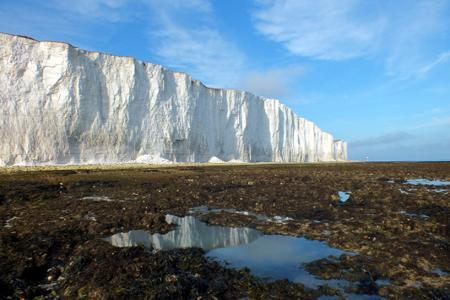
x: 54, y: 229
x: 306, y: 179
x: 184, y: 273
x: 383, y: 179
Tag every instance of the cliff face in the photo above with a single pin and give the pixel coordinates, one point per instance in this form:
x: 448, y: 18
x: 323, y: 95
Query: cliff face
x: 60, y: 104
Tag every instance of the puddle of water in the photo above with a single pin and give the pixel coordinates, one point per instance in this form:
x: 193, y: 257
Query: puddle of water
x: 280, y: 219
x: 267, y: 256
x: 440, y: 272
x: 49, y: 286
x: 402, y: 191
x: 381, y: 282
x: 413, y: 215
x: 202, y: 209
x: 279, y: 257
x: 351, y: 297
x: 422, y: 181
x: 189, y: 233
x: 362, y: 297
x: 344, y: 196
x: 439, y: 191
x: 97, y: 198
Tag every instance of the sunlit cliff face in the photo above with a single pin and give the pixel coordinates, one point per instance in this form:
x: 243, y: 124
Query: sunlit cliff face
x: 60, y: 105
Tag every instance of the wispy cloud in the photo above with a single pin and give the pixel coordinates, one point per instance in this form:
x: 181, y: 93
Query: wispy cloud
x: 441, y: 59
x: 388, y: 138
x: 103, y: 10
x: 181, y: 34
x: 323, y: 29
x: 273, y: 83
x: 417, y: 34
x: 68, y: 21
x: 196, y: 47
x: 37, y: 22
x: 404, y: 35
x: 202, y: 6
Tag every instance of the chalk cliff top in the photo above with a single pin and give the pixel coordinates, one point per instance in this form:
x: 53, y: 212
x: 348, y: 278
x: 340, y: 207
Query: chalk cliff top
x: 65, y: 44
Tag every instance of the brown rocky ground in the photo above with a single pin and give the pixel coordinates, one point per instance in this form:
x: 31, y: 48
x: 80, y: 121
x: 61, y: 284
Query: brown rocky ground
x: 50, y: 242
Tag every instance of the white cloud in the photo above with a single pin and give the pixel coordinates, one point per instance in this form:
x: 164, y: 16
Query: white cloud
x: 273, y: 83
x: 324, y: 29
x: 417, y: 33
x: 202, y: 6
x: 109, y: 10
x: 406, y: 36
x: 441, y: 59
x: 41, y: 23
x: 182, y: 34
x: 196, y: 47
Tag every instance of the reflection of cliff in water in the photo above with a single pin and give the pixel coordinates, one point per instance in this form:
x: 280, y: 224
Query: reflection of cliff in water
x: 268, y: 256
x: 189, y: 233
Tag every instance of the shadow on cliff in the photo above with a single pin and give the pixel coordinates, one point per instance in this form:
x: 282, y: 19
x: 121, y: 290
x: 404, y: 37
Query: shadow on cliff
x: 89, y: 137
x: 138, y: 108
x: 257, y: 135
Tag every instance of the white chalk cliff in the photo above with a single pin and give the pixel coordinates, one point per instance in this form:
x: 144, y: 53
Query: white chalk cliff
x: 63, y: 105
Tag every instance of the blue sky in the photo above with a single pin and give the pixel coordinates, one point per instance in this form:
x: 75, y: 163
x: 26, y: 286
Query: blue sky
x: 374, y: 73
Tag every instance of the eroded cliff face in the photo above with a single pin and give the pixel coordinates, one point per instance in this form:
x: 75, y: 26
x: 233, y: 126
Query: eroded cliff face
x: 60, y: 104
